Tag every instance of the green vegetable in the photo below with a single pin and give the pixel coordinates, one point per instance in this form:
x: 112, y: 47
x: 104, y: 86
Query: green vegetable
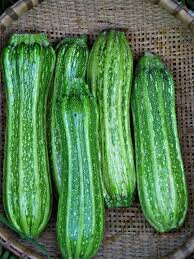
x: 160, y: 174
x: 80, y: 220
x: 28, y: 64
x: 109, y: 75
x: 72, y: 55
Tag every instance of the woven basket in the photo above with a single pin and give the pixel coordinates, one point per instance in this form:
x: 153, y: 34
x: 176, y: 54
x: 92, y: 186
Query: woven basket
x: 148, y: 28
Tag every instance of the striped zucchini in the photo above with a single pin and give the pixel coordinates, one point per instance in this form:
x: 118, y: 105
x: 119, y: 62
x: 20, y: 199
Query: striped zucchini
x: 109, y: 75
x: 72, y: 55
x: 80, y: 220
x: 160, y: 174
x: 28, y: 64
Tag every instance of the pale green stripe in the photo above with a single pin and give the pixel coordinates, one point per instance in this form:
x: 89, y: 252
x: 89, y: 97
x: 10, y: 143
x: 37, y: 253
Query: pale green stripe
x: 79, y: 141
x: 21, y: 65
x: 36, y: 209
x: 156, y: 193
x: 144, y: 193
x: 89, y: 142
x: 69, y: 191
x: 167, y: 148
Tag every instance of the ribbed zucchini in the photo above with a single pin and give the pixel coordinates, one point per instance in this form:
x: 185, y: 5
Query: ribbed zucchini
x: 72, y: 55
x: 109, y: 75
x: 160, y: 174
x: 28, y: 64
x: 80, y: 220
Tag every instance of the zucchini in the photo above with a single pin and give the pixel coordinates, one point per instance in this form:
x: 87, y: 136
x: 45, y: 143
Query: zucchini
x: 28, y: 64
x: 160, y: 173
x: 72, y: 55
x: 80, y: 219
x: 109, y: 74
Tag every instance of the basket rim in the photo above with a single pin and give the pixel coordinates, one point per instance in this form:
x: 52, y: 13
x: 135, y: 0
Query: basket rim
x: 175, y: 8
x: 178, y: 10
x: 17, y: 248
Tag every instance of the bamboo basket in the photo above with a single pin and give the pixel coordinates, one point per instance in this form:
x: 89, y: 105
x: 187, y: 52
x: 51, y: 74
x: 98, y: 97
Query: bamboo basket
x: 148, y: 28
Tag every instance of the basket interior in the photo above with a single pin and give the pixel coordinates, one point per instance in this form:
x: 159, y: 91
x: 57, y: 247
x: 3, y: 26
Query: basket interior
x: 148, y: 28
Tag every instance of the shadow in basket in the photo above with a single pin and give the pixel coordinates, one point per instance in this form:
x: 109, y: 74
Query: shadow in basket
x: 188, y: 3
x: 5, y: 4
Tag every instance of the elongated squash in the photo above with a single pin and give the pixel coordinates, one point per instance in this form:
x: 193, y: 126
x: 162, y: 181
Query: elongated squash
x: 80, y: 219
x: 72, y: 55
x: 109, y: 75
x: 28, y: 64
x: 160, y: 174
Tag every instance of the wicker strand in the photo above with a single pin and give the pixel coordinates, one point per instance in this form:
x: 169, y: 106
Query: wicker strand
x: 6, y: 238
x: 15, y: 11
x: 23, y: 236
x: 178, y: 10
x: 184, y: 251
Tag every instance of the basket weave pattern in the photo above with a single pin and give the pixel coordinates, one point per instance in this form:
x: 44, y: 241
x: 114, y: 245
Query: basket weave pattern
x: 148, y: 28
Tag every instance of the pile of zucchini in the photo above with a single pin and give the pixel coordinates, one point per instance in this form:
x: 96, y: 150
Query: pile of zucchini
x: 68, y: 116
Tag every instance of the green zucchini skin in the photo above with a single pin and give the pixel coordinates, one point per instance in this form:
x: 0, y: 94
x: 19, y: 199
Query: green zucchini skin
x: 28, y: 64
x: 72, y: 56
x: 109, y: 74
x: 160, y: 173
x: 80, y: 219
